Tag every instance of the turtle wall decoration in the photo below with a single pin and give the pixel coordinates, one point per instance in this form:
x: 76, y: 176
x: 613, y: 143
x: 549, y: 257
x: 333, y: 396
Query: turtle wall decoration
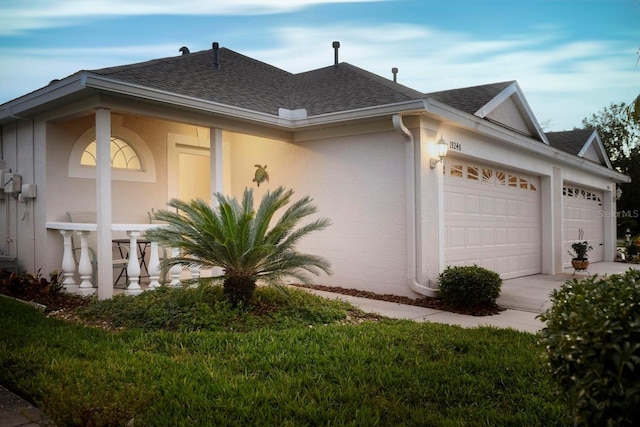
x: 261, y: 175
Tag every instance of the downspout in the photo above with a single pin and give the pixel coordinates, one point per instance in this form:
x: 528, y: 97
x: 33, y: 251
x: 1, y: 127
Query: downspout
x: 414, y: 213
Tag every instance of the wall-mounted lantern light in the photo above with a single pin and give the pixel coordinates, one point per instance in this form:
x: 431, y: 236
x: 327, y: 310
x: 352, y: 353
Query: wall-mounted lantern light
x: 618, y: 193
x: 441, y: 148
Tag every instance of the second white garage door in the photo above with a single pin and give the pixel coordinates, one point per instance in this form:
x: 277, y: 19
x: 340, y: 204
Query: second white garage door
x: 492, y: 219
x: 582, y: 220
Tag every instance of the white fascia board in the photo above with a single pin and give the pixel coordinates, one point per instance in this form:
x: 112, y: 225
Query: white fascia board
x: 405, y: 107
x: 513, y: 89
x: 595, y: 139
x: 101, y: 83
x: 42, y: 96
x: 487, y: 108
x: 121, y: 88
x: 482, y: 126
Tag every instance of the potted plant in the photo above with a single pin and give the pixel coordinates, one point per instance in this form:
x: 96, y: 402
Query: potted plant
x: 580, y: 260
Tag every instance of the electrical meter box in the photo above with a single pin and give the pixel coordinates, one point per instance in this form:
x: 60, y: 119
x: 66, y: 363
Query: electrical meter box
x: 12, y: 183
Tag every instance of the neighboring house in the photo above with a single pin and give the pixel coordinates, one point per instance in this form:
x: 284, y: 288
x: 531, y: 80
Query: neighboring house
x: 507, y: 196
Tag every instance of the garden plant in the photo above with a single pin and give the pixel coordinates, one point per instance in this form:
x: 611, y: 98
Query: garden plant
x: 241, y: 240
x: 469, y: 285
x: 592, y: 340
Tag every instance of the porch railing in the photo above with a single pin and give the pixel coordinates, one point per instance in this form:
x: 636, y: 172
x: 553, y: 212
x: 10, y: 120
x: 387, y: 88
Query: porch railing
x: 85, y: 268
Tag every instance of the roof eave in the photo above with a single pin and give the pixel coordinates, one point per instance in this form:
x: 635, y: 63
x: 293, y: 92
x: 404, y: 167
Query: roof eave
x: 475, y: 123
x: 31, y: 101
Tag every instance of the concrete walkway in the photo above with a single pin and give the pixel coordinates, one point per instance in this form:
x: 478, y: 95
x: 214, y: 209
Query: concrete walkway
x: 15, y: 412
x: 524, y: 298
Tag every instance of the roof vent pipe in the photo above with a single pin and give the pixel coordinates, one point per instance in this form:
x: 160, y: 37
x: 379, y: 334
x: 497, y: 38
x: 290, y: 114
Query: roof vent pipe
x: 394, y: 70
x: 216, y: 56
x: 336, y: 46
x: 184, y: 50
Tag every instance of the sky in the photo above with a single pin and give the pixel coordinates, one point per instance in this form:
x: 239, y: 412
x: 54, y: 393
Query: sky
x: 571, y: 58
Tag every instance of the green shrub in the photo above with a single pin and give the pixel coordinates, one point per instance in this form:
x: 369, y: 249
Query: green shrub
x: 592, y: 340
x: 469, y: 285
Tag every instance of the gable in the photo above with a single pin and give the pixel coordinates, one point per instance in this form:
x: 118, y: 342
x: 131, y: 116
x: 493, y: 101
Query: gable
x: 510, y: 109
x: 592, y: 154
x: 583, y: 143
x: 594, y: 150
x: 508, y: 114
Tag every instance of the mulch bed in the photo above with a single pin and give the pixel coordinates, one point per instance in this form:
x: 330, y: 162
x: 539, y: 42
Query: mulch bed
x: 39, y: 291
x: 428, y: 302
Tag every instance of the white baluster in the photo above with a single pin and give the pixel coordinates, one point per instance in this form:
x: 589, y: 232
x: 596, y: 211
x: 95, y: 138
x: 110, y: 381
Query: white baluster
x: 84, y: 266
x: 175, y: 270
x: 133, y: 267
x: 68, y: 264
x: 195, y: 272
x: 154, y: 266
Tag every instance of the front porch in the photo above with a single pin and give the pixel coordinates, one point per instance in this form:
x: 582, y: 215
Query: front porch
x: 141, y: 258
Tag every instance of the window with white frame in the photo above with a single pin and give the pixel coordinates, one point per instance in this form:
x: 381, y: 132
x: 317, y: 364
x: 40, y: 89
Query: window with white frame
x: 123, y: 156
x: 131, y: 159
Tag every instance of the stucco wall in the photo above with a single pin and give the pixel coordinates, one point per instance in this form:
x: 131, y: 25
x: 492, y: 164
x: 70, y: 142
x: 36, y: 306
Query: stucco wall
x: 358, y: 182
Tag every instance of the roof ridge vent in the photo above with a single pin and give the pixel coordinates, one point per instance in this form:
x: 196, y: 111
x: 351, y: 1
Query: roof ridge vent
x: 184, y: 50
x: 216, y: 55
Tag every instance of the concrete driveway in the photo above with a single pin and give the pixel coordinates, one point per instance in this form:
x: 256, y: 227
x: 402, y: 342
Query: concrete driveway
x: 531, y: 293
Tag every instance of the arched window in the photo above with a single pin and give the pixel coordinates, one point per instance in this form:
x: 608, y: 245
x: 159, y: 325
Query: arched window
x: 131, y: 158
x: 123, y: 156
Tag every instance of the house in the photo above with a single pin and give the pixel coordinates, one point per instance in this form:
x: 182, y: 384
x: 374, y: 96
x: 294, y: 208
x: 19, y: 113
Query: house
x: 506, y: 196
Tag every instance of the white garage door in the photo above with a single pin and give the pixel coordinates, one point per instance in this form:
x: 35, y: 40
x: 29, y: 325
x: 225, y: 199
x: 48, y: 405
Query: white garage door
x: 582, y: 220
x: 492, y: 219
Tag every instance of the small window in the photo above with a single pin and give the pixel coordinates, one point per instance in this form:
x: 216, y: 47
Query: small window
x: 513, y: 181
x: 472, y: 173
x: 532, y: 187
x: 487, y: 176
x: 524, y: 184
x: 501, y: 178
x: 123, y: 156
x: 456, y: 170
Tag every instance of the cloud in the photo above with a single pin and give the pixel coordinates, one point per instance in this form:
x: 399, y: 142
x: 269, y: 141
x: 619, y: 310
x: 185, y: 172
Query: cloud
x: 19, y: 16
x: 563, y: 80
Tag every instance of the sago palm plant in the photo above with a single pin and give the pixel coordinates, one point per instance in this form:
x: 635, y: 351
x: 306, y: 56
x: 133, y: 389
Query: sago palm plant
x: 248, y: 245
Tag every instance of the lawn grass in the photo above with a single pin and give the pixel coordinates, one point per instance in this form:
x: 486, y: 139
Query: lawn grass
x: 310, y: 371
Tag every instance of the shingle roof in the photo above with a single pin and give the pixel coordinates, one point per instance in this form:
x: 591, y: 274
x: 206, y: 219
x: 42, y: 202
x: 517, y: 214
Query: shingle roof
x: 247, y: 83
x: 569, y: 141
x: 470, y: 99
x: 240, y: 81
x: 345, y: 87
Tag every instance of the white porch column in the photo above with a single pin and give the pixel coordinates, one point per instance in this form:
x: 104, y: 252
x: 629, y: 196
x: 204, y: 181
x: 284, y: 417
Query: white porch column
x: 215, y: 135
x: 103, y: 203
x: 133, y: 267
x: 68, y: 264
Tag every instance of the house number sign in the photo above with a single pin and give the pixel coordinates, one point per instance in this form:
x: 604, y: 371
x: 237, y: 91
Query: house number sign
x: 453, y: 145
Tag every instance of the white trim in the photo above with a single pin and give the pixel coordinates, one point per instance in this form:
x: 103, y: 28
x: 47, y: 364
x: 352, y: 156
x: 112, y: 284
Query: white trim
x: 599, y: 148
x: 521, y: 101
x: 85, y: 80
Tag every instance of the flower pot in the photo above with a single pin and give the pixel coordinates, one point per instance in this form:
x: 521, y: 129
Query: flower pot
x: 580, y: 264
